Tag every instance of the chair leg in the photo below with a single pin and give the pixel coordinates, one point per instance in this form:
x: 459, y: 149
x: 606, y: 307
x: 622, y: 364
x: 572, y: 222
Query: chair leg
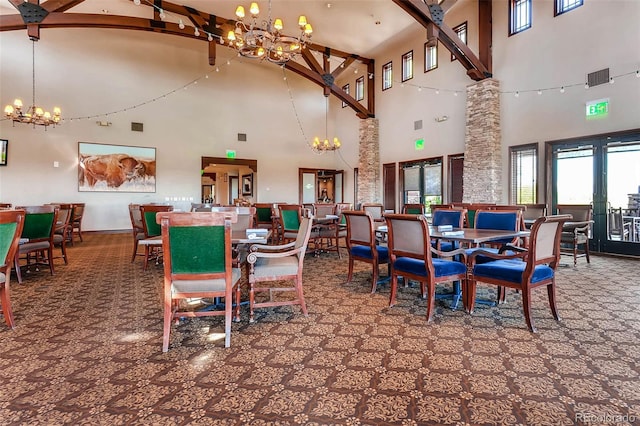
x: 251, y: 300
x: 431, y: 300
x: 394, y: 290
x: 50, y: 258
x: 526, y: 306
x: 470, y: 298
x: 228, y: 316
x: 374, y: 280
x: 135, y: 250
x: 146, y: 257
x: 16, y: 263
x: 586, y: 251
x: 168, y: 315
x: 63, y: 250
x: 236, y: 315
x: 303, y: 305
x: 350, y: 275
x: 575, y: 253
x: 5, y: 300
x: 551, y: 291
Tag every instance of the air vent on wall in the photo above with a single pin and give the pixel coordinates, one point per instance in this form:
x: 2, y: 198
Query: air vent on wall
x: 242, y: 137
x: 598, y: 77
x: 137, y: 127
x: 417, y: 125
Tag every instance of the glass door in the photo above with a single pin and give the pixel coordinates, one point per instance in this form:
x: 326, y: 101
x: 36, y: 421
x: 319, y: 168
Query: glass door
x: 604, y: 171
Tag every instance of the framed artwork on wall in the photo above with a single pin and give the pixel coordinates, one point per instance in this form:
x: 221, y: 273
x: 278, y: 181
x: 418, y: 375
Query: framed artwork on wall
x: 4, y: 147
x: 116, y: 168
x: 247, y: 184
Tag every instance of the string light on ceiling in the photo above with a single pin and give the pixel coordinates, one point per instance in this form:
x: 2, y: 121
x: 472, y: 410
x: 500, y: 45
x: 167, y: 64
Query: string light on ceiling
x: 264, y: 40
x: 34, y: 115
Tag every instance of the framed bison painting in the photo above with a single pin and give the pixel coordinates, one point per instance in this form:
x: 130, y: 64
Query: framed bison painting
x: 116, y: 168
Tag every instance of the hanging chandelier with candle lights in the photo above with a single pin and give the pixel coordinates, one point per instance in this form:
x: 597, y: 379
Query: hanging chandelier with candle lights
x: 325, y: 144
x: 34, y: 115
x: 263, y: 39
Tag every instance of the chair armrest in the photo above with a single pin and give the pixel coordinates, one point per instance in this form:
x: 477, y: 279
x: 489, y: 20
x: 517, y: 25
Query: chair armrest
x: 579, y: 227
x: 253, y: 256
x: 451, y: 253
x: 511, y: 247
x: 268, y: 248
x: 496, y: 256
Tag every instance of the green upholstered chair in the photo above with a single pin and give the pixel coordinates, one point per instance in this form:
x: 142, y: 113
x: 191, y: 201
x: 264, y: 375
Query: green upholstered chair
x: 363, y: 246
x: 290, y: 218
x: 11, y: 225
x: 410, y: 254
x: 152, y: 229
x: 278, y: 263
x: 413, y: 209
x: 39, y: 228
x: 197, y: 264
x: 521, y: 268
x: 63, y: 229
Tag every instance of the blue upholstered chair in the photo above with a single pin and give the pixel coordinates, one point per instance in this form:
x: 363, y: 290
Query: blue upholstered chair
x: 505, y: 220
x: 277, y: 263
x: 11, y: 223
x: 362, y: 245
x: 198, y: 264
x: 453, y: 217
x: 411, y: 257
x: 524, y: 269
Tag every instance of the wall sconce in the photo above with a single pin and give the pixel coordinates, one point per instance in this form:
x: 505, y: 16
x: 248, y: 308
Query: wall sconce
x: 441, y: 119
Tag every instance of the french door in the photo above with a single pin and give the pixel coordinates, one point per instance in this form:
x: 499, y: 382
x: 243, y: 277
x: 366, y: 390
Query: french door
x: 421, y: 182
x: 604, y: 171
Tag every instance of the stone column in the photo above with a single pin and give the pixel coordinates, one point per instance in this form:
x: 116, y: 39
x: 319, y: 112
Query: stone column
x: 369, y: 162
x: 482, y: 144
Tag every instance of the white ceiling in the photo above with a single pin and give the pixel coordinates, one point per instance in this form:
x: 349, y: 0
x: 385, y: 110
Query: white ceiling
x: 354, y: 26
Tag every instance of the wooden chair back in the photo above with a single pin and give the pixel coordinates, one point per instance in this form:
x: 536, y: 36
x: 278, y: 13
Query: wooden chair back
x: 376, y: 210
x: 413, y: 209
x: 149, y: 224
x: 11, y: 225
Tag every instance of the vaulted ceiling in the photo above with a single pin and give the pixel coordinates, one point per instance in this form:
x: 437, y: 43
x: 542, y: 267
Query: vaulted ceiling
x: 345, y: 31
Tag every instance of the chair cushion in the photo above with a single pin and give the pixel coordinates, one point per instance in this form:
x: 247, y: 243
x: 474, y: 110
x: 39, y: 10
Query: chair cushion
x: 195, y: 286
x: 29, y: 247
x: 3, y: 278
x: 276, y: 266
x: 511, y: 270
x: 416, y: 267
x: 365, y: 252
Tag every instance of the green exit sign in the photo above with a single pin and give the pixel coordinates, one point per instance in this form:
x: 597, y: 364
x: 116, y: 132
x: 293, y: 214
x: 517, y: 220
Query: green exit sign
x: 419, y: 144
x: 231, y: 153
x: 597, y: 108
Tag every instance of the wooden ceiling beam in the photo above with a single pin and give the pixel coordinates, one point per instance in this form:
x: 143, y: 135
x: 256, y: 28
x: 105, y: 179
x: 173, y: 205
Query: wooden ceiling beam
x: 211, y: 24
x: 421, y: 13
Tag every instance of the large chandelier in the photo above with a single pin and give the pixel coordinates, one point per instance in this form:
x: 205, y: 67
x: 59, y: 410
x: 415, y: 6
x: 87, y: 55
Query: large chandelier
x: 35, y: 114
x: 325, y: 145
x: 264, y: 40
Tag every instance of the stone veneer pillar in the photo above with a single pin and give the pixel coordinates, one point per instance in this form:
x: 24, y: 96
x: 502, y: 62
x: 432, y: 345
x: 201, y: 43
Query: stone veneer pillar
x: 482, y: 144
x: 369, y: 162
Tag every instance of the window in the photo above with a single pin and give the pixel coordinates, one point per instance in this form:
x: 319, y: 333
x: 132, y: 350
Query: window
x: 360, y: 89
x: 430, y: 57
x: 407, y: 66
x: 519, y: 16
x: 461, y: 31
x: 523, y: 181
x: 346, y: 88
x: 387, y: 76
x: 422, y: 182
x: 562, y: 6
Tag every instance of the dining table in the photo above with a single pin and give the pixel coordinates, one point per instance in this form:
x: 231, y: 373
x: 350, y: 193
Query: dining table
x: 471, y: 236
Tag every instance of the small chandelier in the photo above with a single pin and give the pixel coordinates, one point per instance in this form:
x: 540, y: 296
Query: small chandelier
x: 325, y: 145
x: 265, y: 40
x: 35, y: 114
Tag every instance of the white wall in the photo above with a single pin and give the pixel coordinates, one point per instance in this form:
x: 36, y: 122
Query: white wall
x: 90, y: 72
x: 554, y: 52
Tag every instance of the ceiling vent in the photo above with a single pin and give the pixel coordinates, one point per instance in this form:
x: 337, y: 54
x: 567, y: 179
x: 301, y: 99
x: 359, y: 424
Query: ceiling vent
x: 598, y: 77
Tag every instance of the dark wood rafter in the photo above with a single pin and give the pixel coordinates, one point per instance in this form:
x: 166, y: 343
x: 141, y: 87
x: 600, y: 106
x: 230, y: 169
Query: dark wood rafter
x: 57, y: 17
x: 421, y: 12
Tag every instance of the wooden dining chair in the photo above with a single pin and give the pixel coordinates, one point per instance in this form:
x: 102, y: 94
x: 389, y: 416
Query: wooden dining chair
x: 63, y: 229
x: 275, y: 264
x: 578, y: 232
x: 290, y: 216
x: 76, y: 220
x: 520, y: 268
x: 11, y: 225
x: 152, y: 229
x: 39, y: 228
x: 413, y: 209
x: 447, y: 217
x: 137, y: 228
x: 410, y: 253
x: 376, y: 210
x: 197, y: 264
x: 362, y: 245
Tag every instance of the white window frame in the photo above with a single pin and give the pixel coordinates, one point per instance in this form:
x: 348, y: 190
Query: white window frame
x: 523, y: 173
x: 387, y: 75
x: 360, y: 88
x: 430, y: 57
x: 462, y: 31
x: 407, y: 66
x: 346, y: 88
x: 519, y: 16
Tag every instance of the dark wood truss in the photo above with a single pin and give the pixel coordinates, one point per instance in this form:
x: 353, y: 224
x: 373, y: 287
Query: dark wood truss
x: 54, y: 14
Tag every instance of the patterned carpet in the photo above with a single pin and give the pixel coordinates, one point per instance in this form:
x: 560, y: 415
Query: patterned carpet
x: 87, y: 351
